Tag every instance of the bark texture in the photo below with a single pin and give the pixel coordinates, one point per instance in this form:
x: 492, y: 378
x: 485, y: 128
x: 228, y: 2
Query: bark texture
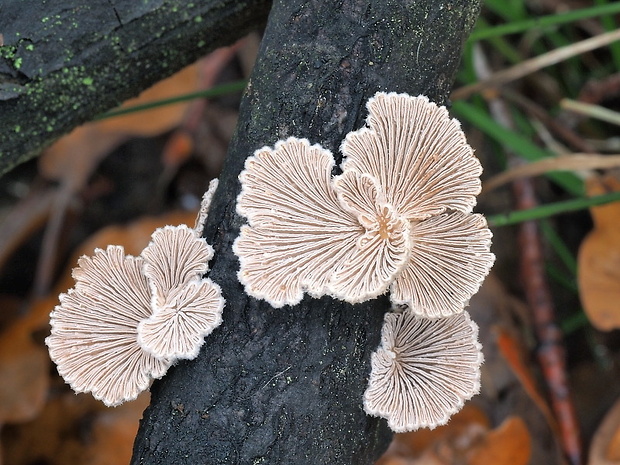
x: 285, y: 386
x: 64, y: 62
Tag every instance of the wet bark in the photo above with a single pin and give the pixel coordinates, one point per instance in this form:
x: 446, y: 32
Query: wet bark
x: 64, y: 62
x: 285, y: 386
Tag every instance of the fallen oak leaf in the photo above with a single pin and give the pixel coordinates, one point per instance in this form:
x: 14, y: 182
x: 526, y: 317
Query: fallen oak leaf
x: 599, y: 259
x: 605, y: 447
x: 408, y: 448
x: 24, y: 367
x: 508, y: 444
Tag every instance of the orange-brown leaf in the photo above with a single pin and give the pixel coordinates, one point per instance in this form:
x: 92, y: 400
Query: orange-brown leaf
x: 405, y: 447
x: 511, y: 351
x: 509, y: 444
x: 599, y: 260
x: 24, y: 367
x: 605, y: 447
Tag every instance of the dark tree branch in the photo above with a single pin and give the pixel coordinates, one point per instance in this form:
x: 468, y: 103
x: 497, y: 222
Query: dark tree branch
x: 63, y: 62
x: 285, y: 386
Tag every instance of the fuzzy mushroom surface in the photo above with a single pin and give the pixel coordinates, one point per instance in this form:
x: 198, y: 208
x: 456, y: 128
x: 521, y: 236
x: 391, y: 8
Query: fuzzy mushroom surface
x: 93, y: 339
x: 424, y: 370
x: 185, y: 306
x: 398, y: 218
x: 430, y: 176
x: 128, y: 319
x: 302, y: 238
x: 205, y: 203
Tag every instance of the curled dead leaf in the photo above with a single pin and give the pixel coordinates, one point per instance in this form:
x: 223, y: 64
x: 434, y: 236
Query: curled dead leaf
x: 599, y: 259
x: 605, y: 447
x: 467, y: 439
x: 508, y: 444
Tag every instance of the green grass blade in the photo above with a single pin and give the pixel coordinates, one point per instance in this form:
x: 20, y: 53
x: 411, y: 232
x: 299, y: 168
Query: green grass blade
x: 609, y: 23
x: 559, y: 246
x: 545, y: 211
x: 517, y: 143
x: 574, y: 322
x: 560, y: 277
x: 216, y: 91
x: 545, y: 21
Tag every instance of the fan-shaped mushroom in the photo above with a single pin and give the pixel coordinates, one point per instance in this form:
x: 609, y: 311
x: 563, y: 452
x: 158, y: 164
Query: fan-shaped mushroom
x: 129, y: 318
x: 398, y: 217
x: 424, y: 370
x: 93, y: 339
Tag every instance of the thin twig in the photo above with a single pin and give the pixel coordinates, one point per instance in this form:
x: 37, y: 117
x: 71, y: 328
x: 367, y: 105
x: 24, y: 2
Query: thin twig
x: 551, y: 353
x: 551, y: 350
x: 534, y: 110
x: 551, y: 209
x: 592, y: 111
x: 574, y: 162
x: 534, y: 64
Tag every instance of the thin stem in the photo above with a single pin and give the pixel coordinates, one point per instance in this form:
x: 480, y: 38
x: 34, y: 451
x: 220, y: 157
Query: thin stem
x: 216, y: 91
x: 545, y: 21
x: 545, y: 211
x: 537, y: 63
x: 592, y: 111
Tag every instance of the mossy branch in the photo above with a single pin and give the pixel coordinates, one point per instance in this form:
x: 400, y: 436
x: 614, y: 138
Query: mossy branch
x: 62, y: 63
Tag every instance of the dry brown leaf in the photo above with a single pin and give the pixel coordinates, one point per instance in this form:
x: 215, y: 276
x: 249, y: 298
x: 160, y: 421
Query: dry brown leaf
x: 512, y: 352
x: 467, y: 439
x: 113, y: 433
x: 24, y: 367
x: 422, y: 444
x: 78, y: 430
x: 509, y: 444
x: 605, y: 446
x: 599, y: 259
x: 72, y: 158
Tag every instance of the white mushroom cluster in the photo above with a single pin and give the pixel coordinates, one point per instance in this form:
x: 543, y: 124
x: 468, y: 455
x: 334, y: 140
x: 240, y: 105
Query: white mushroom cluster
x: 128, y: 319
x: 398, y: 218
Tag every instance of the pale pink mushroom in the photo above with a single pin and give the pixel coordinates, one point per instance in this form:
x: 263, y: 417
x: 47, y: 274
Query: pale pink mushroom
x: 430, y: 176
x: 300, y: 238
x: 93, y: 338
x: 449, y: 260
x: 419, y: 155
x: 381, y: 252
x: 186, y: 307
x: 174, y: 257
x: 177, y: 330
x: 398, y: 217
x: 207, y: 197
x: 424, y: 370
x: 129, y: 318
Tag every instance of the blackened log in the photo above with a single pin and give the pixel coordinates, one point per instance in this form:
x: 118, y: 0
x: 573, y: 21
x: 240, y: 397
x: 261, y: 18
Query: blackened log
x: 64, y: 62
x: 285, y: 386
